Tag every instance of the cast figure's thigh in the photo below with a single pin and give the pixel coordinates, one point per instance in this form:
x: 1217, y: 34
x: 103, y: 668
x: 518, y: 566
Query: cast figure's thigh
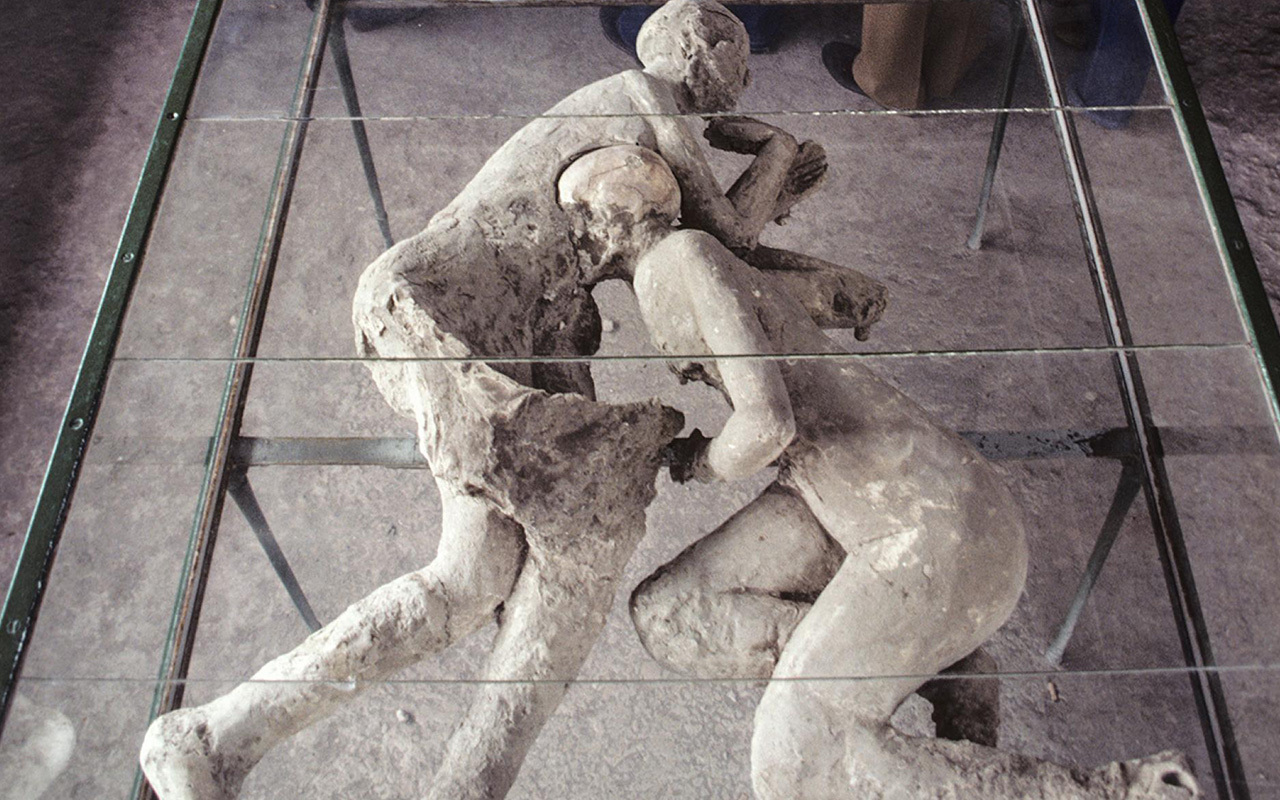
x: 728, y: 604
x: 475, y: 567
x: 880, y: 629
x: 549, y: 623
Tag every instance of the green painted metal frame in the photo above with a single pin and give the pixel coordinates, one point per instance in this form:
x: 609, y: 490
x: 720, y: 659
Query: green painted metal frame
x: 1251, y: 302
x: 1215, y: 197
x: 22, y: 602
x: 171, y: 680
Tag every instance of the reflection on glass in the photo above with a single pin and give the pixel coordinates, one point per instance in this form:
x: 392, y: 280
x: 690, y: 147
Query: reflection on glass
x: 329, y: 497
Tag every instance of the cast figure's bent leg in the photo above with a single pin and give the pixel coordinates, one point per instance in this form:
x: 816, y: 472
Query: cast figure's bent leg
x: 822, y: 738
x: 549, y: 624
x: 204, y: 753
x: 727, y: 605
x: 966, y: 709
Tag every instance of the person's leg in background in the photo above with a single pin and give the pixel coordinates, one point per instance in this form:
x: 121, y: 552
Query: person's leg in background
x: 1117, y: 68
x: 888, y: 68
x: 955, y: 36
x: 910, y: 52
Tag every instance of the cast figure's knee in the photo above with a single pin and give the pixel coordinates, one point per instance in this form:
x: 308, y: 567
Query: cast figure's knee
x: 708, y: 633
x: 654, y: 609
x: 794, y: 753
x: 679, y: 626
x: 415, y: 615
x: 388, y: 629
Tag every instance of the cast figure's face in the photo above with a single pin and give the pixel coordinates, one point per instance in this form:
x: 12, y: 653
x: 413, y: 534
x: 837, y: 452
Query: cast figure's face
x: 717, y: 80
x: 701, y: 46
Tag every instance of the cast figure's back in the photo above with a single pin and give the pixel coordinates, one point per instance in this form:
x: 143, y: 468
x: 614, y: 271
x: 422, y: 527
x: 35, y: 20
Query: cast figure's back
x: 867, y: 458
x: 496, y: 265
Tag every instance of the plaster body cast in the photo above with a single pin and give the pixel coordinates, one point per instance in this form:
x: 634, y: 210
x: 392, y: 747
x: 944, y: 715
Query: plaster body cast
x: 543, y: 490
x: 887, y: 549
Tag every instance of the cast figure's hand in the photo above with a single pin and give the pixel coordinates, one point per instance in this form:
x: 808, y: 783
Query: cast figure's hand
x: 689, y: 458
x: 808, y: 170
x: 741, y: 134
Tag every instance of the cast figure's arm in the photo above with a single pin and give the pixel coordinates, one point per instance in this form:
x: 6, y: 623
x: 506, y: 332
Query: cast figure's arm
x: 737, y: 218
x: 762, y: 424
x: 782, y: 173
x: 807, y: 170
x: 834, y: 296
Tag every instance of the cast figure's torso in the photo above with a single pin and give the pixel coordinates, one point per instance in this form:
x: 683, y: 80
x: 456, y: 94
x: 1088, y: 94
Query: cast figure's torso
x: 866, y: 458
x: 494, y: 274
x: 498, y: 259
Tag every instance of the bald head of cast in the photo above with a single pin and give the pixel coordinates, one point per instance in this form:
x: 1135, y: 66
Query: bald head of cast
x: 620, y: 200
x: 700, y: 45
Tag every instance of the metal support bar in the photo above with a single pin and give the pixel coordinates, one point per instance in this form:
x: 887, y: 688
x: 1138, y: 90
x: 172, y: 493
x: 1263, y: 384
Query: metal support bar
x: 1019, y: 36
x: 1215, y: 197
x: 26, y: 590
x: 346, y: 79
x: 242, y: 492
x: 1184, y: 598
x: 1126, y: 491
x: 1115, y: 443
x: 186, y: 615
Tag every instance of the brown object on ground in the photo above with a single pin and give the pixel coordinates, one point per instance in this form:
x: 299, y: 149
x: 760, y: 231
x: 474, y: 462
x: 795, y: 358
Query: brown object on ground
x: 914, y: 51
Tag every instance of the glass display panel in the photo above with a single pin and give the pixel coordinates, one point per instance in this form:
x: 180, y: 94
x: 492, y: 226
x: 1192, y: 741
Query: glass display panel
x: 1138, y: 450
x: 1102, y: 58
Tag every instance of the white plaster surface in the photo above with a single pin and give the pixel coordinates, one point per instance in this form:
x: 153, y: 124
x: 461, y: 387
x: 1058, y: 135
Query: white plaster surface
x: 80, y: 111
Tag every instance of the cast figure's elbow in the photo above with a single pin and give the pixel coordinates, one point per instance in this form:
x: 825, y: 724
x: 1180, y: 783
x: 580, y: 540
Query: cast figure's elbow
x: 738, y: 234
x: 782, y: 434
x: 724, y: 229
x: 776, y: 438
x: 746, y: 450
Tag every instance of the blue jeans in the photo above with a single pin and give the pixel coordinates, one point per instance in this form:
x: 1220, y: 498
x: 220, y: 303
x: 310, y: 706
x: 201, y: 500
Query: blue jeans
x: 1119, y: 62
x: 762, y: 23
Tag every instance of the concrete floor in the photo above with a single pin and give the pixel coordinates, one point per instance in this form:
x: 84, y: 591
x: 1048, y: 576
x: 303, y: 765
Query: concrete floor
x: 80, y: 106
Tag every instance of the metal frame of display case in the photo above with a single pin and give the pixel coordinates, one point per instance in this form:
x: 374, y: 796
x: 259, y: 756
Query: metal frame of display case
x: 1140, y: 446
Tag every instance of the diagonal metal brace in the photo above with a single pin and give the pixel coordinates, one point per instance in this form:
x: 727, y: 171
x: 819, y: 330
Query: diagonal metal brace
x: 242, y: 493
x: 1126, y: 492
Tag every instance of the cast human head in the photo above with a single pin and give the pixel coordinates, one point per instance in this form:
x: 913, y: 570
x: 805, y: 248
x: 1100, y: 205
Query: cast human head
x: 620, y: 199
x: 701, y: 46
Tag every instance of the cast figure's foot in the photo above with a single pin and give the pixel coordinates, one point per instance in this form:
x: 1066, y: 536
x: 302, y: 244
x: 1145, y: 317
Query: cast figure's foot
x: 180, y: 760
x: 838, y: 58
x: 1163, y: 776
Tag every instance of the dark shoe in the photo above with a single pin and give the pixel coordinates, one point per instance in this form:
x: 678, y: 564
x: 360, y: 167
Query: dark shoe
x: 609, y: 16
x: 838, y: 58
x: 1076, y: 34
x: 372, y: 19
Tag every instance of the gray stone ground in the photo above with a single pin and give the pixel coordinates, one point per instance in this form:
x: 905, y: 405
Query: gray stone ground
x: 81, y: 88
